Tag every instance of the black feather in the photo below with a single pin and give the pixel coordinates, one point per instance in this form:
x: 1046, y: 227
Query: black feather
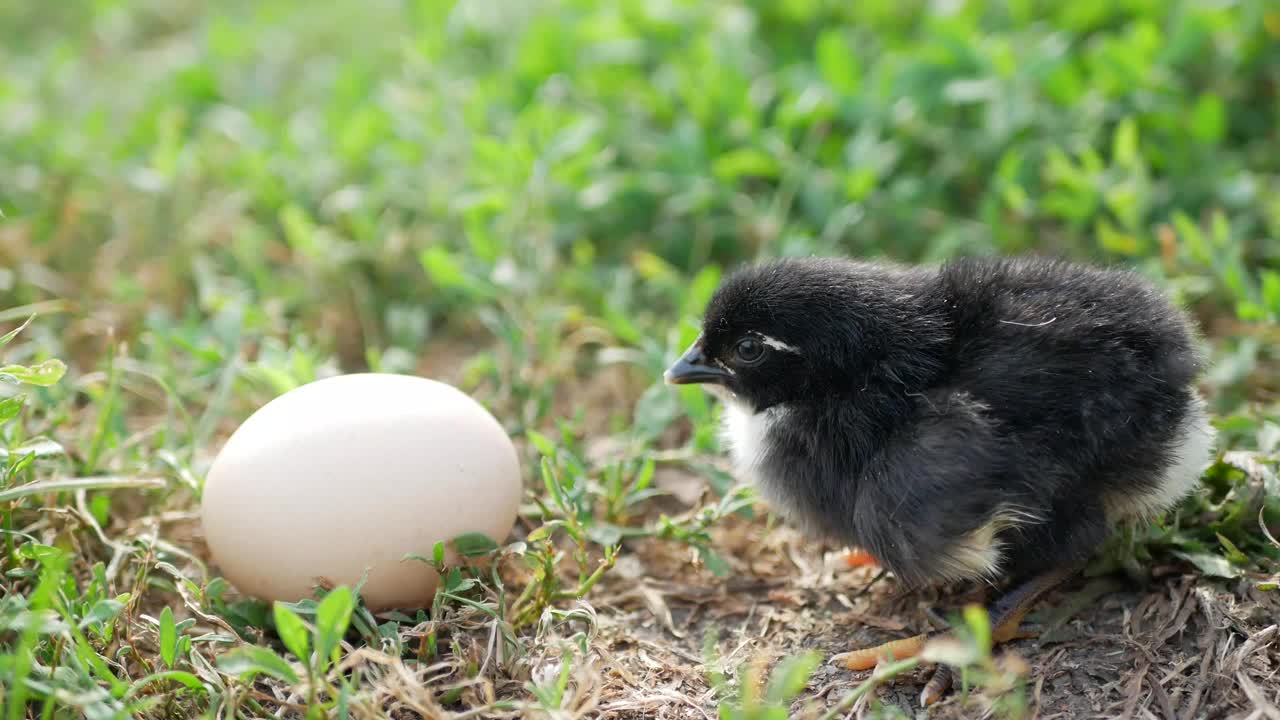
x: 920, y: 404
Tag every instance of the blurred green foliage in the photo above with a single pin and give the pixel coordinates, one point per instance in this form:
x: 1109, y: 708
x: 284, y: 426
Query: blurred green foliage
x: 386, y: 159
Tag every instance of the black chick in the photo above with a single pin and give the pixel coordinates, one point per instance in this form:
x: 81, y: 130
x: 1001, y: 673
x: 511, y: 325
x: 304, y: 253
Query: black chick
x: 990, y: 419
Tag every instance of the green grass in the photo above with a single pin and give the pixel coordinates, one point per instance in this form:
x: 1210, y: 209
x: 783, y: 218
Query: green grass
x: 207, y: 204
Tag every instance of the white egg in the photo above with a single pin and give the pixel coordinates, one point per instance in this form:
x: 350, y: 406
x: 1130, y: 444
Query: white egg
x: 353, y: 473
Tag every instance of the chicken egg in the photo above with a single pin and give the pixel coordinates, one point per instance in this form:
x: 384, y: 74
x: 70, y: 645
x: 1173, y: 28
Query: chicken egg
x: 351, y: 474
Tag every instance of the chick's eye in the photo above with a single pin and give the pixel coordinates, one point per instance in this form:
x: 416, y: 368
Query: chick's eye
x: 749, y: 350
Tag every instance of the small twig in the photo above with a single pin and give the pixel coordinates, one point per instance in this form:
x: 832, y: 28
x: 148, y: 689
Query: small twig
x: 1134, y: 691
x: 645, y: 702
x: 195, y: 609
x: 1201, y: 682
x: 1260, y: 639
x: 1162, y: 697
x: 1256, y: 696
x: 87, y: 518
x: 1262, y: 523
x: 283, y: 703
x: 870, y: 583
x: 118, y: 550
x: 490, y: 647
x: 480, y: 711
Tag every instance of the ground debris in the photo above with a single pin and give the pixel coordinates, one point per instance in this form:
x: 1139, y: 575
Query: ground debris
x: 1183, y: 647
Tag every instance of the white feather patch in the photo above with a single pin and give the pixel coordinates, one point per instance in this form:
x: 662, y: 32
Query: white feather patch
x: 746, y: 433
x: 980, y: 554
x: 1194, y: 453
x: 777, y: 344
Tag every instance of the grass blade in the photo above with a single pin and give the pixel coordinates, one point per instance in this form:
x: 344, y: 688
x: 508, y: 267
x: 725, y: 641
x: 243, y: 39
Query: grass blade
x: 178, y: 676
x: 41, y: 487
x: 168, y: 637
x: 292, y: 631
x: 248, y: 661
x: 333, y: 615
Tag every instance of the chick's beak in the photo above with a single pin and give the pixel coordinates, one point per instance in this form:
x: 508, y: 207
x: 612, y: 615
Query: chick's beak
x: 694, y: 367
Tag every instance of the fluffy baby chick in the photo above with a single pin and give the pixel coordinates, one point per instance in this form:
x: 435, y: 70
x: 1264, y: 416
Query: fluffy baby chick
x: 990, y: 419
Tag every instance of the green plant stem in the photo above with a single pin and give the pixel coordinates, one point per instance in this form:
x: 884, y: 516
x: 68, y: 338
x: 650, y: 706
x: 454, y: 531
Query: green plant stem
x: 887, y: 672
x: 585, y: 586
x: 41, y: 487
x: 106, y: 411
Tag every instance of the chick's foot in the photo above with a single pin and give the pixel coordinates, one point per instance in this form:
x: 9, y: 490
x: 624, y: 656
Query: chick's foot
x: 1006, y: 615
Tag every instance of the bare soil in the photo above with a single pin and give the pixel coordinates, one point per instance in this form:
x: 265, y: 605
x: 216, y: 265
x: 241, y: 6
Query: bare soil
x: 1182, y: 646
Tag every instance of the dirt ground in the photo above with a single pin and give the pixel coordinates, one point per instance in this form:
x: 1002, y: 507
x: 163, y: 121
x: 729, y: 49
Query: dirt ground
x: 1181, y: 647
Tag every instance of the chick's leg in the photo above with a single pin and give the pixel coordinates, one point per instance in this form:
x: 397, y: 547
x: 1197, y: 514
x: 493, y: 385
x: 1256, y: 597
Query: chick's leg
x: 1009, y: 610
x: 1006, y: 615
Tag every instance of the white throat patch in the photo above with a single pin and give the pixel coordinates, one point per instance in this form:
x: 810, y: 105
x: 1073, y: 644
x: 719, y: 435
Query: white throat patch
x: 746, y: 434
